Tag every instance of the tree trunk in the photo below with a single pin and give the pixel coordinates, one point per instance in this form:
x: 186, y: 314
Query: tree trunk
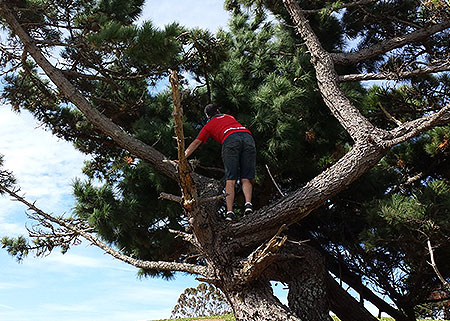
x: 344, y: 305
x: 303, y: 270
x: 300, y: 267
x: 257, y: 302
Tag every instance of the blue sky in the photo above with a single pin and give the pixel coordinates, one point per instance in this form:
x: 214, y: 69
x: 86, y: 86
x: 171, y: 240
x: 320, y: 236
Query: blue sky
x: 83, y: 284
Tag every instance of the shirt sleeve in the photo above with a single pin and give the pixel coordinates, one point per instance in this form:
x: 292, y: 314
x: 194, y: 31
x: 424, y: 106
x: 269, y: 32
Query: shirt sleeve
x: 204, y: 135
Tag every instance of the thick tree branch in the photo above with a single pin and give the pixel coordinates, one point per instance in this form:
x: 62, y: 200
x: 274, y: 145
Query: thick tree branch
x: 412, y: 128
x: 149, y: 265
x: 265, y: 222
x: 350, y: 118
x: 444, y: 66
x: 99, y: 120
x: 364, y: 154
x: 351, y: 58
x: 344, y: 305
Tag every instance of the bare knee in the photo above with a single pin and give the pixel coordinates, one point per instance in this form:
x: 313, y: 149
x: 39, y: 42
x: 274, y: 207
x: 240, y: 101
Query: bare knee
x: 231, y: 183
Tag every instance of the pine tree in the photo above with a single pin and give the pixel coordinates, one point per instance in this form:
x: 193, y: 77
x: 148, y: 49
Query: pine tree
x: 363, y: 171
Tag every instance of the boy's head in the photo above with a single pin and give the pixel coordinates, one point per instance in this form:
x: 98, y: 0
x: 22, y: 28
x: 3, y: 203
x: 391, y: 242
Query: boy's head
x: 211, y: 110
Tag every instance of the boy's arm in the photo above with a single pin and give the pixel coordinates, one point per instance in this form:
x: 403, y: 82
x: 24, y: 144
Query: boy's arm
x: 192, y: 147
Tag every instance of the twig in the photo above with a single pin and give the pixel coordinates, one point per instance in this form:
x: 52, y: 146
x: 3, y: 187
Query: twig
x: 187, y: 237
x: 389, y: 116
x: 212, y: 199
x: 171, y: 197
x: 444, y: 66
x: 433, y: 264
x: 209, y: 280
x: 275, y: 183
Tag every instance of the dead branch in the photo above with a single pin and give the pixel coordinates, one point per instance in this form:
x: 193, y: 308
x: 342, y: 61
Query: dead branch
x: 212, y: 199
x: 171, y: 197
x: 187, y: 237
x: 198, y: 221
x: 184, y: 170
x: 196, y: 163
x: 275, y: 183
x: 389, y: 116
x: 260, y: 259
x: 434, y: 266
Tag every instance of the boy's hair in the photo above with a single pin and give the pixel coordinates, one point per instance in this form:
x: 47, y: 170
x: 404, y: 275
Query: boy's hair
x: 211, y: 110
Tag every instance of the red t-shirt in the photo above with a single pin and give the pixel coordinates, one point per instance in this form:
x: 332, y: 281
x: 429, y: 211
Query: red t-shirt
x: 220, y: 127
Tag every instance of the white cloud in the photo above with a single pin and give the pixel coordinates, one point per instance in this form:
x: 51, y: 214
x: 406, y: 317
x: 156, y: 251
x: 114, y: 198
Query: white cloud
x: 37, y: 159
x: 163, y: 294
x: 16, y: 285
x: 43, y: 166
x: 75, y: 260
x: 209, y: 14
x: 11, y: 229
x: 59, y: 308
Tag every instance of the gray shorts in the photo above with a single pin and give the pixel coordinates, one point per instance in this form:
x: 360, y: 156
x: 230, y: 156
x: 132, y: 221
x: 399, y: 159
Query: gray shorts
x: 239, y: 156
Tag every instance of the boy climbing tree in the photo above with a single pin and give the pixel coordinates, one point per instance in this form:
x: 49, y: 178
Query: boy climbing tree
x: 238, y: 154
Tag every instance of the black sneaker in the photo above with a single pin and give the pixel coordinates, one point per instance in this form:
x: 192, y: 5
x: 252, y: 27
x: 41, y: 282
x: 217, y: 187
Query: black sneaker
x: 248, y: 208
x: 229, y: 216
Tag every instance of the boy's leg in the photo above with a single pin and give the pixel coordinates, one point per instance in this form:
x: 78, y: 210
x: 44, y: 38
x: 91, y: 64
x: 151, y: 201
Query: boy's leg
x: 247, y: 164
x: 229, y: 190
x: 247, y: 189
x: 230, y: 157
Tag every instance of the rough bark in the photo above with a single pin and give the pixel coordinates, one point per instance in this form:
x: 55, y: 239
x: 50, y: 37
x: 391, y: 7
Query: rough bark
x: 444, y: 66
x: 256, y: 228
x: 256, y: 302
x: 344, y: 305
x: 388, y: 45
x: 302, y: 268
x: 349, y: 116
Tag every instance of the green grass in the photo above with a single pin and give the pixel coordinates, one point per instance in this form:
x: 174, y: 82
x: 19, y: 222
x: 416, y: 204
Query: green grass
x: 230, y: 317
x: 226, y: 317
